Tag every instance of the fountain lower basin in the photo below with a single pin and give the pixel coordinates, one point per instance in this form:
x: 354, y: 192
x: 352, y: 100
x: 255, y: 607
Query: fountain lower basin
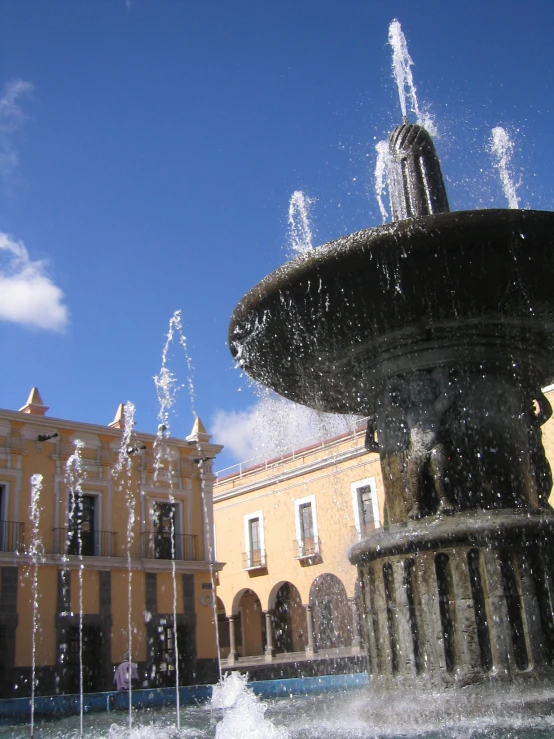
x: 351, y: 714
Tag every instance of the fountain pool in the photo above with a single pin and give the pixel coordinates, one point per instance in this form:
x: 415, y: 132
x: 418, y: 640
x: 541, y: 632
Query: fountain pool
x: 236, y: 713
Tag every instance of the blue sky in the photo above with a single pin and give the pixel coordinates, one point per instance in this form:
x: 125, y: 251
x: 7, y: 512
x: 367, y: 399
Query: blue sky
x: 149, y: 148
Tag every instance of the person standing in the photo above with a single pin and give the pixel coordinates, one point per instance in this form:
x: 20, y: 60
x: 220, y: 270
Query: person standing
x: 125, y: 672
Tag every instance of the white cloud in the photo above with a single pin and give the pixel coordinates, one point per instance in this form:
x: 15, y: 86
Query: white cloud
x: 12, y: 118
x: 27, y: 294
x: 274, y: 426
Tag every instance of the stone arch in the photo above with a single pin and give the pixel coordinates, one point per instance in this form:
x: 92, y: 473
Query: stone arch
x: 236, y: 601
x: 219, y: 606
x: 288, y: 618
x: 249, y: 623
x: 332, y: 612
x: 273, y: 594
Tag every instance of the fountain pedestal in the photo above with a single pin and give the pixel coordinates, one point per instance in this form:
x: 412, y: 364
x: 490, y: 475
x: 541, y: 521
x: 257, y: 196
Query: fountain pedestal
x: 459, y: 599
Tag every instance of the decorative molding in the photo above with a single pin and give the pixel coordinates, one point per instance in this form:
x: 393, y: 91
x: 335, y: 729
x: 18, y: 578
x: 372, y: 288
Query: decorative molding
x: 72, y: 562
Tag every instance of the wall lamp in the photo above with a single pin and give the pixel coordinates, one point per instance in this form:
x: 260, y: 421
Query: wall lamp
x: 134, y: 449
x: 46, y: 437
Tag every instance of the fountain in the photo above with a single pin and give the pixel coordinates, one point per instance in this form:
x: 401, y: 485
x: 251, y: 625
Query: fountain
x: 440, y: 328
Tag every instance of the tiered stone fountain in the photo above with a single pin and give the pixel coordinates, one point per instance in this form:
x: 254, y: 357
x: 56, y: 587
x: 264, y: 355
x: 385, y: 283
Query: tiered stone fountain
x: 440, y: 328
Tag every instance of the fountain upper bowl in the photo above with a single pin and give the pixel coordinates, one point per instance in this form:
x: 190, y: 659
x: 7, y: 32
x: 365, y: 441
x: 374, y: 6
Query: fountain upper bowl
x: 461, y: 288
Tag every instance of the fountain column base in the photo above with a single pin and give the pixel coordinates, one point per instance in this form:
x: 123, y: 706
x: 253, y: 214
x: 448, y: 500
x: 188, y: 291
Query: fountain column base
x: 459, y: 599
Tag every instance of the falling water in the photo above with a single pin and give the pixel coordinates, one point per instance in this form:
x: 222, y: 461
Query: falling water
x: 401, y: 69
x: 300, y: 226
x: 202, y: 463
x: 381, y: 175
x: 402, y: 73
x: 243, y: 712
x: 36, y: 553
x: 166, y: 389
x: 176, y: 326
x: 502, y: 149
x: 74, y: 476
x: 124, y: 465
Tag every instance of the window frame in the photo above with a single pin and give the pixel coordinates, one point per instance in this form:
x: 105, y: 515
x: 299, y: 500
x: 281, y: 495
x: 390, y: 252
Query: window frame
x: 97, y: 495
x: 153, y: 502
x: 298, y: 504
x: 248, y: 539
x: 355, y: 488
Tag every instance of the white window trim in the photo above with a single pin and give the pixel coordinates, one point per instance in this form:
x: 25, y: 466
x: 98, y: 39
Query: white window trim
x: 247, y: 543
x: 354, y: 488
x: 297, y: 504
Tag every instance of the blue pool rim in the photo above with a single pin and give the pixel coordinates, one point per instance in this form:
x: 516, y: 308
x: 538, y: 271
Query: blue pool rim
x: 57, y: 706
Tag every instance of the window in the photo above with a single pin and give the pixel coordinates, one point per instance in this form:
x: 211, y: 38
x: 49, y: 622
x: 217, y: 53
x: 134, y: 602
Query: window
x: 307, y: 540
x: 367, y: 519
x: 81, y: 533
x: 89, y: 656
x: 166, y: 653
x: 11, y: 532
x: 254, y: 555
x: 3, y: 523
x: 255, y: 548
x: 165, y: 540
x: 366, y: 507
x: 307, y: 525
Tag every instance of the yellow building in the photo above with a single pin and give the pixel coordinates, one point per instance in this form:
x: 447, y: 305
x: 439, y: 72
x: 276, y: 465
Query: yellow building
x: 83, y: 529
x: 286, y: 590
x: 283, y: 529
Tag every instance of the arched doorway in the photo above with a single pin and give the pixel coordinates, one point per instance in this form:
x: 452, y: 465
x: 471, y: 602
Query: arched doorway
x: 249, y: 623
x: 288, y: 619
x: 332, y: 612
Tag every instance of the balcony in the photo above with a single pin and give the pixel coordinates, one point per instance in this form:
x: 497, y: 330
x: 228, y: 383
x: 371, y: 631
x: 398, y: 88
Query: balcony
x: 12, y: 536
x: 159, y: 545
x: 91, y: 543
x: 306, y: 549
x: 254, y: 560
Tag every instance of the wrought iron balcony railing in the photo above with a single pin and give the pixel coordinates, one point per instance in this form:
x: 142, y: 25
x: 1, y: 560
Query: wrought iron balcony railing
x: 12, y: 536
x: 306, y: 547
x: 254, y: 559
x: 86, y: 543
x: 161, y: 545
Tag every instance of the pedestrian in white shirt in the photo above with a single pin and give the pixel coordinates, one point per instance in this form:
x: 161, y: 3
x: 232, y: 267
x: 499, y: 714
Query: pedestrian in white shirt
x: 123, y: 671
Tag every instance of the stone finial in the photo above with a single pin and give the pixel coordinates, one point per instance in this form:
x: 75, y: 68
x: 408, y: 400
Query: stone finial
x: 34, y: 405
x: 199, y: 433
x: 416, y: 186
x: 119, y: 418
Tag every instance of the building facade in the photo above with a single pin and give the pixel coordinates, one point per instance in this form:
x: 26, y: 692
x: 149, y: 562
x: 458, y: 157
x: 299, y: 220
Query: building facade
x: 105, y: 517
x: 283, y: 529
